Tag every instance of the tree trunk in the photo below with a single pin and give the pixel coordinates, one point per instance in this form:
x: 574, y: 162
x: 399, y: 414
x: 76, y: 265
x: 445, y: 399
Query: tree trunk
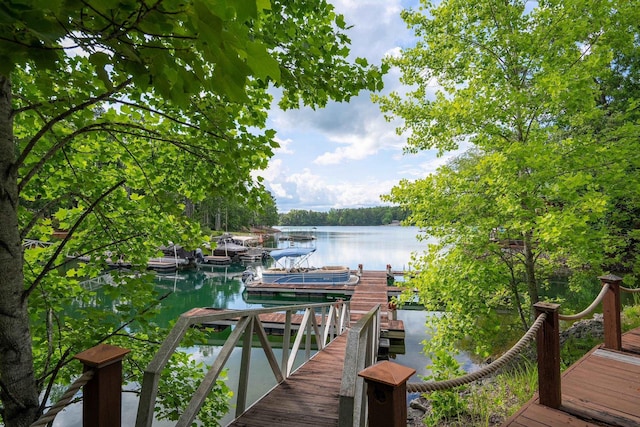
x: 530, y: 267
x: 18, y: 388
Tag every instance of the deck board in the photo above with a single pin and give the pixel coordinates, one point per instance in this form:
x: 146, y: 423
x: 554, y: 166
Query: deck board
x: 309, y: 397
x: 601, y: 389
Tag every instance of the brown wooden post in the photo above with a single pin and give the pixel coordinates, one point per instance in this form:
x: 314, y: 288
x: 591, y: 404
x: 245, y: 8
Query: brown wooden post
x: 102, y: 406
x: 611, y: 312
x: 548, y: 341
x: 387, y: 393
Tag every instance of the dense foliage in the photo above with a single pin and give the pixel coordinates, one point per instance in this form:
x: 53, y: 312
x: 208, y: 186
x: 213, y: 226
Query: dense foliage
x: 543, y: 97
x: 115, y: 119
x: 217, y: 213
x: 381, y: 215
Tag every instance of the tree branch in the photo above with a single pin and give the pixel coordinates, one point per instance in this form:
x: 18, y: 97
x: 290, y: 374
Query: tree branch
x: 53, y: 150
x: 34, y: 140
x: 34, y: 219
x: 60, y: 247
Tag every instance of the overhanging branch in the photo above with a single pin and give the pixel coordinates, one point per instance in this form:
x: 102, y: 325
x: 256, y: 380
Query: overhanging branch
x: 60, y: 247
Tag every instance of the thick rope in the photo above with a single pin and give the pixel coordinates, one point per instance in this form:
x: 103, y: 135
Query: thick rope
x: 64, y: 399
x: 487, y: 370
x: 629, y: 290
x: 587, y: 311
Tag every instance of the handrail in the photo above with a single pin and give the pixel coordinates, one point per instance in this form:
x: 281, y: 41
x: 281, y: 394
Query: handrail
x: 587, y: 311
x: 331, y: 322
x: 423, y: 387
x: 64, y: 400
x: 487, y: 370
x: 629, y: 290
x: 362, y: 350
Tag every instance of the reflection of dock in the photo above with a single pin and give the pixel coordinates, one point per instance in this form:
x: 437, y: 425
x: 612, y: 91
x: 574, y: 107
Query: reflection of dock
x: 217, y: 260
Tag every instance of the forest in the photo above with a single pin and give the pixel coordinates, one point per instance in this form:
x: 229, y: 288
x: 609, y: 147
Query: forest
x: 381, y: 215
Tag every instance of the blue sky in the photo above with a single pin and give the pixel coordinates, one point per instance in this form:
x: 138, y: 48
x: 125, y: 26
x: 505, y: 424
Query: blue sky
x: 346, y: 155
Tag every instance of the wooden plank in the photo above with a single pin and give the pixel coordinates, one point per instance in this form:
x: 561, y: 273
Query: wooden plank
x: 536, y: 415
x: 604, y: 416
x: 601, y: 400
x: 309, y: 397
x: 553, y: 417
x: 620, y: 357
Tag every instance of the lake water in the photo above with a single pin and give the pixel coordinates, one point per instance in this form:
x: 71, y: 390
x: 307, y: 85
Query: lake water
x: 221, y: 287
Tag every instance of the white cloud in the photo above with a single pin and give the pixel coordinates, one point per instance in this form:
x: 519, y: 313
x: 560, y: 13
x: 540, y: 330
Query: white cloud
x: 272, y: 172
x: 307, y: 190
x: 376, y: 135
x: 284, y: 146
x: 347, y: 154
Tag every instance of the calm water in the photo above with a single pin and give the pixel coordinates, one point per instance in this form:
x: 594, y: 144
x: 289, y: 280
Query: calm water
x: 221, y: 287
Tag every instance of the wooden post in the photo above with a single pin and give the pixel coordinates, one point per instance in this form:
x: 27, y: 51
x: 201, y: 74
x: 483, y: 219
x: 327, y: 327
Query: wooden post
x: 102, y: 405
x: 611, y: 312
x: 387, y: 393
x: 548, y: 341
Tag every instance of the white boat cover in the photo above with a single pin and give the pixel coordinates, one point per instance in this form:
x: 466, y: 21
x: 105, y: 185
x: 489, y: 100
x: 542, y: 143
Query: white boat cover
x: 291, y: 253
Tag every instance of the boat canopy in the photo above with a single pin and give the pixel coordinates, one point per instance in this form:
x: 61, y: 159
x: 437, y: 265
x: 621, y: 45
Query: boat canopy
x: 291, y: 253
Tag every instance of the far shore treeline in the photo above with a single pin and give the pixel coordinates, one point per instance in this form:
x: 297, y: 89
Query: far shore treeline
x: 380, y: 215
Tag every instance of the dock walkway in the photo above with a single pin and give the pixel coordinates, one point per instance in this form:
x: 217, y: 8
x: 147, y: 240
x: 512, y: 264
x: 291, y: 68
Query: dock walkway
x: 601, y: 389
x: 311, y: 395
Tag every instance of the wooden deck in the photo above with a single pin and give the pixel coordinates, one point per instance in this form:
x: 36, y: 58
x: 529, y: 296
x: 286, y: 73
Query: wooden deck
x: 311, y: 395
x: 601, y: 389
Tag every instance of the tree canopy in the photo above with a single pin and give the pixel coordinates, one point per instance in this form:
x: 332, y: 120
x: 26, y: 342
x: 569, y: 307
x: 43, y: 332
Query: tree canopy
x: 543, y: 98
x: 115, y: 117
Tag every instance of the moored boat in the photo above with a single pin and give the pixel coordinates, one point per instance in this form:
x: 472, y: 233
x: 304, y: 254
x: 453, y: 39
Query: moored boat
x: 292, y: 267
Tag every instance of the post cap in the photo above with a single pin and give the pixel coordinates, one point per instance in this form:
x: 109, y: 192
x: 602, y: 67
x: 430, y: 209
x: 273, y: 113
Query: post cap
x: 610, y: 278
x: 101, y: 355
x: 388, y: 373
x: 546, y: 306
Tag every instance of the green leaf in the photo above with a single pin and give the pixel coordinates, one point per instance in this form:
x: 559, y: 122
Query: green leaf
x: 262, y: 64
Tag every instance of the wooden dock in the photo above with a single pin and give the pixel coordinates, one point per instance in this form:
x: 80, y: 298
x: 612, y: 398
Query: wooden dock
x: 601, y: 389
x: 371, y: 289
x: 310, y: 396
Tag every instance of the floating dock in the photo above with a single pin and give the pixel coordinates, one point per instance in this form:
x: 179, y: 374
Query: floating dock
x: 371, y: 289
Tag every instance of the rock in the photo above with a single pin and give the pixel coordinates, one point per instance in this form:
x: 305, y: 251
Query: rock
x: 584, y: 328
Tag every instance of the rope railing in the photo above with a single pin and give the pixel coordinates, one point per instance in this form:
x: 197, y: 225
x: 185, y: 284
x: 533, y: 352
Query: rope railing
x: 587, y: 311
x: 630, y: 290
x: 487, y: 370
x: 64, y: 400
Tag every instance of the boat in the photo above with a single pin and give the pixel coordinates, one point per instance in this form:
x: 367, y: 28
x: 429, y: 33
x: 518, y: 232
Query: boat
x: 292, y: 268
x: 297, y: 238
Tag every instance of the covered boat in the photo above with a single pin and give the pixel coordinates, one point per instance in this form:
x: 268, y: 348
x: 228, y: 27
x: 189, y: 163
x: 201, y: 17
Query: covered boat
x: 292, y: 267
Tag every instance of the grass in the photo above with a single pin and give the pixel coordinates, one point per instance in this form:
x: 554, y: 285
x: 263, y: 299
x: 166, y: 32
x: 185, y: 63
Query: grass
x: 489, y: 404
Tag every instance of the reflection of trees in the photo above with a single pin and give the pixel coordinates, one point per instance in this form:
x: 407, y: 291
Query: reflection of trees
x: 198, y: 289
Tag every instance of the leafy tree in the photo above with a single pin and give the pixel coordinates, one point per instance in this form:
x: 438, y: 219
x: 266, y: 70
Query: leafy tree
x: 535, y: 91
x: 114, y: 118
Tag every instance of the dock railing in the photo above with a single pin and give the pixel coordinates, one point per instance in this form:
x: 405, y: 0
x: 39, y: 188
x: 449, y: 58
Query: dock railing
x: 322, y: 322
x: 545, y: 330
x: 362, y: 351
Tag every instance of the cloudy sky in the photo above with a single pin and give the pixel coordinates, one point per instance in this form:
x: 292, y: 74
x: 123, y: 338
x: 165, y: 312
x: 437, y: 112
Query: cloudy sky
x: 347, y: 155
